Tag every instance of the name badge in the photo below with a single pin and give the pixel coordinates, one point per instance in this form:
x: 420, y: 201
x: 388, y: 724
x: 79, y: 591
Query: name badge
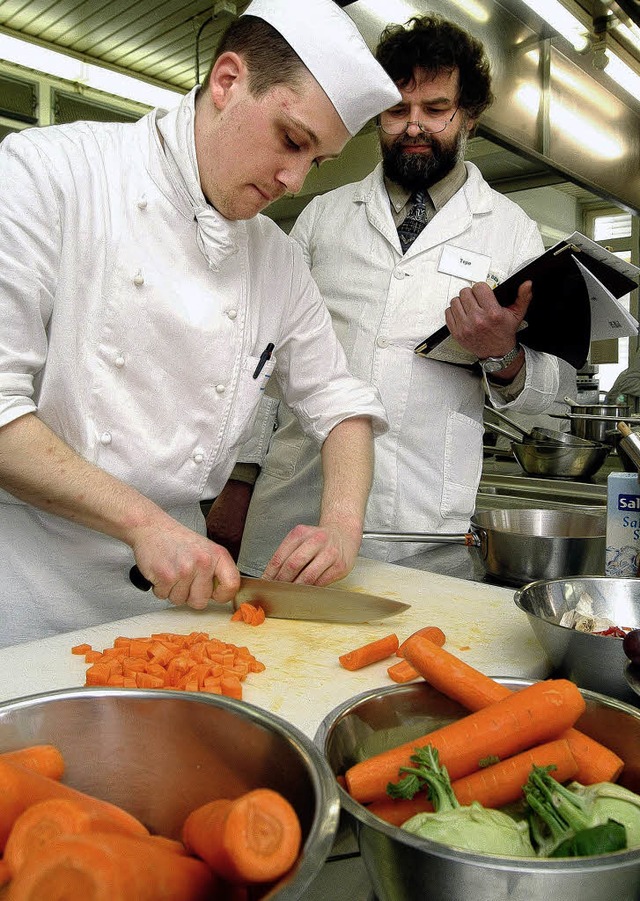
x: 467, y: 264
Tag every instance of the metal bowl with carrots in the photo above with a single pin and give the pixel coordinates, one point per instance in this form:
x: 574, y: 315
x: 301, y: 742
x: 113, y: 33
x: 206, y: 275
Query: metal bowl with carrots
x: 403, y: 866
x: 160, y: 756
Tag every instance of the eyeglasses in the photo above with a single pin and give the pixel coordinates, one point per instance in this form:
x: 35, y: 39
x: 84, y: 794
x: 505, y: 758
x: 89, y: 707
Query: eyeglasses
x: 392, y: 122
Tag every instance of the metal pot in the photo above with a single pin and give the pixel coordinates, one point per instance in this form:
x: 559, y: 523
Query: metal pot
x: 558, y: 462
x: 521, y: 546
x: 404, y: 867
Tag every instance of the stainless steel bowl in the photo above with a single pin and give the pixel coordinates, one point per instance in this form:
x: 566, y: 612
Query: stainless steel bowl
x: 161, y: 754
x: 596, y: 662
x: 403, y: 867
x: 560, y: 462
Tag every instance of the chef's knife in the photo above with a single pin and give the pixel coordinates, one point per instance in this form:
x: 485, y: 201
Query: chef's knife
x: 286, y: 600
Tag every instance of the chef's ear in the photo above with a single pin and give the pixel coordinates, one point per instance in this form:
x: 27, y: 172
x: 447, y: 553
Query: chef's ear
x: 228, y: 75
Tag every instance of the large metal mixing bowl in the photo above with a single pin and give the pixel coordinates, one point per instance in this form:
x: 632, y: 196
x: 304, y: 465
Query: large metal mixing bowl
x: 161, y: 754
x: 596, y: 662
x: 403, y: 867
x: 560, y: 462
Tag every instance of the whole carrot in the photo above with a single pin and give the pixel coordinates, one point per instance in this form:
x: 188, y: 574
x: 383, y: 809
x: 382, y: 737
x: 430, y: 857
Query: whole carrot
x: 501, y: 783
x: 431, y: 633
x: 398, y: 811
x: 370, y: 653
x: 471, y: 688
x: 255, y: 838
x: 20, y: 788
x: 529, y: 717
x: 44, y: 759
x: 111, y: 867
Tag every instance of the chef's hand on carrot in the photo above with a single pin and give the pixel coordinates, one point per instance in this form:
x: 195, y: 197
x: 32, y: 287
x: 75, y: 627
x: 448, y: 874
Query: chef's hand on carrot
x: 185, y: 567
x: 480, y: 325
x: 314, y: 555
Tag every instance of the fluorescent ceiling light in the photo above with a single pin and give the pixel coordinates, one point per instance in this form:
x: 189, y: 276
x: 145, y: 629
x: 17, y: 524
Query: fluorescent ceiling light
x: 622, y: 74
x: 70, y: 68
x: 390, y: 10
x: 564, y: 22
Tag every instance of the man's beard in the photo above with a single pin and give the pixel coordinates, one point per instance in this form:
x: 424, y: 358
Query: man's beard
x: 417, y: 171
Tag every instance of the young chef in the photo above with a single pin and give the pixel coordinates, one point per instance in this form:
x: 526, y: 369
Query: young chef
x: 145, y: 306
x: 385, y: 297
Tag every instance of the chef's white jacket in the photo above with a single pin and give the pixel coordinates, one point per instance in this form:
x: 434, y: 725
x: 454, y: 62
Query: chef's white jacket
x: 428, y: 465
x: 118, y: 334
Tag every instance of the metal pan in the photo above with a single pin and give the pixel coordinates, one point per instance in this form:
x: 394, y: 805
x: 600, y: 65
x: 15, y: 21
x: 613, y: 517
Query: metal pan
x: 536, y: 435
x: 521, y: 546
x: 560, y: 461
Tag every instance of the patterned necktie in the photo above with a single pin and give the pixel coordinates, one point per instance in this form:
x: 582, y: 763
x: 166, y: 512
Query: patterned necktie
x: 414, y: 222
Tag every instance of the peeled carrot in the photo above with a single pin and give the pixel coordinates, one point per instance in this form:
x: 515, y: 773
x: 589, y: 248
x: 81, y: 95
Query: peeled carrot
x: 400, y: 810
x: 370, y: 653
x: 255, y: 838
x: 403, y: 672
x: 45, y: 821
x: 5, y: 875
x: 471, y: 688
x: 20, y: 788
x: 111, y: 867
x: 44, y: 759
x: 538, y: 713
x: 501, y: 783
x: 431, y: 633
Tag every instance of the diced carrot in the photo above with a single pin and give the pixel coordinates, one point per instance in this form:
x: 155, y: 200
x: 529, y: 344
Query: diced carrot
x: 231, y: 686
x: 81, y: 649
x: 370, y: 653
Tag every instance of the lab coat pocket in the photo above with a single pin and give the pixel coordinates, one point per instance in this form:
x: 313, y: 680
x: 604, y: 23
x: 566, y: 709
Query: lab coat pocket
x: 462, y: 465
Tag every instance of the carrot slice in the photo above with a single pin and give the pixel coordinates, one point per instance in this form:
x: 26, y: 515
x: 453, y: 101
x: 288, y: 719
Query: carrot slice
x: 255, y: 838
x: 370, y: 653
x: 538, y: 713
x: 112, y: 867
x: 44, y: 759
x: 403, y: 672
x: 474, y: 690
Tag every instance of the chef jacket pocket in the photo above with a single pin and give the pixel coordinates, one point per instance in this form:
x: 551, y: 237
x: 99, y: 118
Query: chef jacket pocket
x: 462, y: 465
x: 249, y: 394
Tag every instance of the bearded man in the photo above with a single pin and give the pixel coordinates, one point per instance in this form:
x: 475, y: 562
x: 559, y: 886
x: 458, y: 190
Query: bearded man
x: 417, y: 244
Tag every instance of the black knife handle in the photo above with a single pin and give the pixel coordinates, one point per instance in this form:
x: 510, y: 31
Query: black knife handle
x: 138, y: 579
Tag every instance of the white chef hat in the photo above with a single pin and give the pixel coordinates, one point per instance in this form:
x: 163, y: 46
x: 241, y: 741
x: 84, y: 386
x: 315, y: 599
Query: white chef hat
x: 334, y: 51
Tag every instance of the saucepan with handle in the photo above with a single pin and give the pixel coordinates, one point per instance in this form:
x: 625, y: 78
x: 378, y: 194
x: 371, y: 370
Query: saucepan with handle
x: 536, y: 435
x: 521, y: 546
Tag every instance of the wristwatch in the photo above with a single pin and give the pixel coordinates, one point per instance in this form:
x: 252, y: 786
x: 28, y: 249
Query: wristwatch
x: 497, y: 364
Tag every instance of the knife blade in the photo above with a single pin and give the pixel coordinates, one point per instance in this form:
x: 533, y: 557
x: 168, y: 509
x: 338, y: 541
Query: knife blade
x: 286, y: 600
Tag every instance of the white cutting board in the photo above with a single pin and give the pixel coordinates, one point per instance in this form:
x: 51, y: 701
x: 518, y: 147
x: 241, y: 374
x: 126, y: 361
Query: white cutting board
x: 303, y: 680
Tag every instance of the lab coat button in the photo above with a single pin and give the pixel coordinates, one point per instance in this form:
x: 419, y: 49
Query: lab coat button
x: 399, y: 273
x: 382, y: 342
x: 232, y: 314
x: 105, y: 438
x: 138, y: 278
x: 119, y: 361
x: 198, y: 457
x: 142, y: 203
x: 221, y: 389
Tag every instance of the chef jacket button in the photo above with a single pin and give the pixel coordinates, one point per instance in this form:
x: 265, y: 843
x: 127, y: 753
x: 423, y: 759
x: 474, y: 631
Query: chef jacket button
x: 382, y: 342
x: 221, y: 389
x: 198, y: 457
x: 119, y: 361
x: 105, y: 438
x: 399, y: 273
x: 142, y: 203
x: 232, y: 314
x: 138, y: 278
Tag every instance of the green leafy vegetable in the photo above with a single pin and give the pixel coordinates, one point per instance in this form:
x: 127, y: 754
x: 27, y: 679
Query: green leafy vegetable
x: 597, y: 840
x: 473, y: 828
x: 559, y: 813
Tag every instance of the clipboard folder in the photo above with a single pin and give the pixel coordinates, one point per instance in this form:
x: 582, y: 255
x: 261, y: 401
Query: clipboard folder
x: 576, y: 286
